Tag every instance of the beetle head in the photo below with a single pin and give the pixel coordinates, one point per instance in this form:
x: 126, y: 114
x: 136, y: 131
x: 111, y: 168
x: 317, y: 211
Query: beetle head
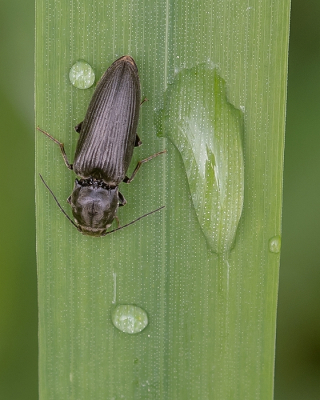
x: 94, y: 206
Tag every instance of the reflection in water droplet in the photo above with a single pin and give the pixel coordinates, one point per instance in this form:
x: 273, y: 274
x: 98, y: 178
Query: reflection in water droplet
x: 129, y: 319
x: 206, y: 129
x: 275, y: 244
x: 81, y: 75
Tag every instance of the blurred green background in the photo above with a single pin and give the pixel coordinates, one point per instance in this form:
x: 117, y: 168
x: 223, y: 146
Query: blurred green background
x: 298, y: 338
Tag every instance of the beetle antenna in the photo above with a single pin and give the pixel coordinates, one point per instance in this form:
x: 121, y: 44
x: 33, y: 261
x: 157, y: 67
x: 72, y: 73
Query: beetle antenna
x: 58, y: 202
x: 132, y: 222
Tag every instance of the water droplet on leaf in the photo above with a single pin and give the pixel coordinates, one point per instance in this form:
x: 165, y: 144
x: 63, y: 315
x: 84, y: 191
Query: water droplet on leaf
x: 275, y: 244
x: 129, y: 319
x: 81, y: 75
x: 206, y: 129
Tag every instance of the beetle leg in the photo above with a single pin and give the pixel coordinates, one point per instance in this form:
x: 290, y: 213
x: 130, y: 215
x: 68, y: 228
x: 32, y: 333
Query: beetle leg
x: 61, y: 148
x: 77, y: 128
x: 122, y: 200
x: 143, y: 101
x: 128, y: 180
x: 137, y: 142
x: 117, y: 219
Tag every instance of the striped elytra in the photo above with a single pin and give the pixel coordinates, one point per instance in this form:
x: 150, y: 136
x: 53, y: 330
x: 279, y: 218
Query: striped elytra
x: 108, y: 132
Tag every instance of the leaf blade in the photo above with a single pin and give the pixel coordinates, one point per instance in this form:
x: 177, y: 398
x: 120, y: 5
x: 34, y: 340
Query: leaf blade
x: 211, y: 330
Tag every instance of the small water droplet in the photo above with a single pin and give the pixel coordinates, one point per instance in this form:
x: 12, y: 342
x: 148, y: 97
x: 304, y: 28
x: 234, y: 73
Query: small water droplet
x: 129, y: 319
x: 81, y: 75
x: 275, y: 244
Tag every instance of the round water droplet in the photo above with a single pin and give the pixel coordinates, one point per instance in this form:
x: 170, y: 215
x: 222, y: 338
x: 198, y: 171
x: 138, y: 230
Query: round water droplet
x: 275, y: 244
x: 81, y: 75
x: 129, y: 319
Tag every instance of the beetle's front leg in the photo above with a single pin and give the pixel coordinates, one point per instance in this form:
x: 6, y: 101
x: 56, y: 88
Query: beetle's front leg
x: 70, y: 166
x: 118, y: 221
x: 128, y: 180
x: 122, y: 200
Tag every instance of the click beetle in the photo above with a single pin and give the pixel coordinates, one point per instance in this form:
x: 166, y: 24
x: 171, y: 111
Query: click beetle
x: 104, y: 150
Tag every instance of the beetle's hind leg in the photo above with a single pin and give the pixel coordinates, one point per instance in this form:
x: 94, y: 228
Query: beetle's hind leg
x: 138, y: 142
x: 77, y: 128
x: 65, y: 158
x: 128, y: 180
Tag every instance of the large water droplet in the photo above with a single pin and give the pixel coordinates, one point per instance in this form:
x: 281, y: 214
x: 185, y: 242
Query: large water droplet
x: 81, y: 75
x: 129, y: 319
x: 275, y: 244
x: 206, y: 129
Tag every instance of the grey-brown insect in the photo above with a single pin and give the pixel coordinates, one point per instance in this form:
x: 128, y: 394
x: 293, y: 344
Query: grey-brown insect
x: 104, y: 151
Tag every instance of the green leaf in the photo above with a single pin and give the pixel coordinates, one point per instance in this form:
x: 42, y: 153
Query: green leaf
x: 211, y: 318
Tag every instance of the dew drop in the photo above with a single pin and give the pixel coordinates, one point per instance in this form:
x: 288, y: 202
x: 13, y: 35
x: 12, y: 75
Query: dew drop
x: 81, y: 75
x: 275, y: 244
x: 129, y: 319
